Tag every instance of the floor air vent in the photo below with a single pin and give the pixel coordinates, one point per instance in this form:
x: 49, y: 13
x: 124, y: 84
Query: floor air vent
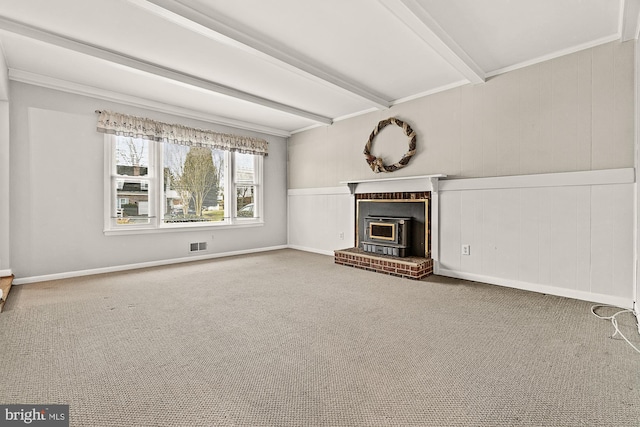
x: 197, y: 247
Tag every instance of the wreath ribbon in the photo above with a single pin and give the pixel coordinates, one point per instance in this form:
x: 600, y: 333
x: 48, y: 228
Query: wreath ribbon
x: 377, y: 164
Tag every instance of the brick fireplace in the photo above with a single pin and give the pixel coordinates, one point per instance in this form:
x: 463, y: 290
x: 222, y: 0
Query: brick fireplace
x: 410, y: 267
x: 373, y: 199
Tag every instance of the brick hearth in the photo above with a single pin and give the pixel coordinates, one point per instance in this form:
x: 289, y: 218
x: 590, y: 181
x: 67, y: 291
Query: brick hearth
x: 410, y: 267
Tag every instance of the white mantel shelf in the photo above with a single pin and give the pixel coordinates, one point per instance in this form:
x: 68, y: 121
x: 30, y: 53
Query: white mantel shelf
x: 404, y: 183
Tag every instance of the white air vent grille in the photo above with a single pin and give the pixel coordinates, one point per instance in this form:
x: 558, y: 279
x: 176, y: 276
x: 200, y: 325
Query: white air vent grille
x: 197, y: 246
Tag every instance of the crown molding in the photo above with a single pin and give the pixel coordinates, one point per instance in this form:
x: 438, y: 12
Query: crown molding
x: 108, y: 95
x: 554, y: 55
x: 429, y: 92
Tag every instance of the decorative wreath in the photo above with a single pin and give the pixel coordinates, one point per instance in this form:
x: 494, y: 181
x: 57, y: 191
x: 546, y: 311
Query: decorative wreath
x: 376, y: 164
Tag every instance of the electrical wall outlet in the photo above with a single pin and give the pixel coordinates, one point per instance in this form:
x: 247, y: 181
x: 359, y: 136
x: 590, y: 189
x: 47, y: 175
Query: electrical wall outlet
x: 466, y: 249
x: 341, y: 235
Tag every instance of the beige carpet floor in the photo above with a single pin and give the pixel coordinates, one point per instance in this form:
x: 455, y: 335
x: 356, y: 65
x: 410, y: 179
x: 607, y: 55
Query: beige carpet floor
x: 287, y: 338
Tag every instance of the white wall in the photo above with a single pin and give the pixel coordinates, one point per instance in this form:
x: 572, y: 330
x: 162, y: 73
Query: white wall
x: 574, y: 114
x: 56, y: 213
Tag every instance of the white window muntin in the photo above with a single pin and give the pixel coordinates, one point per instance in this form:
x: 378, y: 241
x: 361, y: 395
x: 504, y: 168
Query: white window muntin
x: 154, y: 181
x: 250, y: 180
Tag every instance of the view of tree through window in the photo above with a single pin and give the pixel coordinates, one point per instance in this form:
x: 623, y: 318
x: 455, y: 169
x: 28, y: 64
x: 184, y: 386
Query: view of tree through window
x: 193, y: 184
x: 156, y: 184
x: 132, y: 156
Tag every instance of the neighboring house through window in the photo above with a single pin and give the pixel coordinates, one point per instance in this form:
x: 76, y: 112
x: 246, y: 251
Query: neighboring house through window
x: 154, y: 185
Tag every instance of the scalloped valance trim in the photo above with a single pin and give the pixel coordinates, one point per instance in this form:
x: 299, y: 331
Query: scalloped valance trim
x: 138, y: 127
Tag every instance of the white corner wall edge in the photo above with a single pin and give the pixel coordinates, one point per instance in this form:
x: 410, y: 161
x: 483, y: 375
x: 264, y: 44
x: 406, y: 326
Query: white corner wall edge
x: 5, y: 273
x: 116, y: 268
x: 544, y: 289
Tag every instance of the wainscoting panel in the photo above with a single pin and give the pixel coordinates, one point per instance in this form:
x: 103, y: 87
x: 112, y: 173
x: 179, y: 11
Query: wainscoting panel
x: 451, y: 230
x: 321, y: 219
x: 571, y: 240
x: 612, y: 240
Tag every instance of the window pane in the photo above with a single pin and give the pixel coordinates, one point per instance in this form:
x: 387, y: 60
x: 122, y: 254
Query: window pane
x: 132, y: 202
x: 132, y: 156
x: 245, y: 168
x: 246, y: 201
x: 193, y: 178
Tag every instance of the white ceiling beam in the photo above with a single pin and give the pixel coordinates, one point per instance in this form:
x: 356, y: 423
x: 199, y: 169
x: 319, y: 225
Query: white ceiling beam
x: 424, y: 26
x: 248, y: 40
x: 629, y: 20
x: 151, y: 68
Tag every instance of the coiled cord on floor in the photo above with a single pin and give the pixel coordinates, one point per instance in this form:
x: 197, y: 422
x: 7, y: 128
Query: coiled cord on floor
x: 614, y: 322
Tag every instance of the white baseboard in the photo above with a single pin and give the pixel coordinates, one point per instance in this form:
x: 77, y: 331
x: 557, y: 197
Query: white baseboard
x: 568, y: 293
x: 5, y: 273
x: 113, y: 269
x: 315, y: 251
x: 543, y: 289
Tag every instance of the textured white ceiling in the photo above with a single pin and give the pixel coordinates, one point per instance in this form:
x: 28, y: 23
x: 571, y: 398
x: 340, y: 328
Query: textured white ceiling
x: 284, y: 65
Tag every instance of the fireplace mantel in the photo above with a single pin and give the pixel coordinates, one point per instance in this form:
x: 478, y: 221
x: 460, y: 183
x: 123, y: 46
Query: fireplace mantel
x: 390, y: 185
x: 401, y: 185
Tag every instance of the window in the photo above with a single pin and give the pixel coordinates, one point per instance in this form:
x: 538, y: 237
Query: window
x: 153, y: 185
x: 246, y: 185
x: 194, y: 183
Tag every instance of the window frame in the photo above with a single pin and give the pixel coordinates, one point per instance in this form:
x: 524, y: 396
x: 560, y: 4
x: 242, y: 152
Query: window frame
x: 156, y: 194
x: 256, y: 183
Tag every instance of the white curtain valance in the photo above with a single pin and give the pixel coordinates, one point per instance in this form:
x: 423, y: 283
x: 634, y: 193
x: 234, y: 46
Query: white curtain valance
x: 138, y: 127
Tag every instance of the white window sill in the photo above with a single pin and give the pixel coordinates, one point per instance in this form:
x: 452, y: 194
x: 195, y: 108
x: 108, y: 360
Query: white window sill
x: 180, y: 229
